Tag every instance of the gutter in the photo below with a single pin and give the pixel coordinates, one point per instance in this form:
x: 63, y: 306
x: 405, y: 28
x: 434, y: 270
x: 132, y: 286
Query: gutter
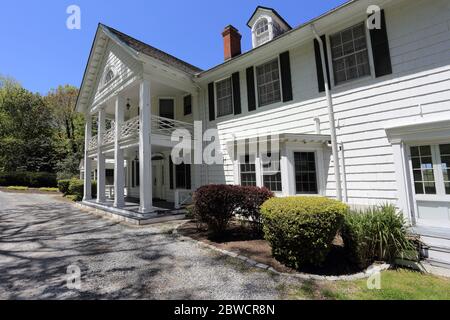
x: 334, y: 143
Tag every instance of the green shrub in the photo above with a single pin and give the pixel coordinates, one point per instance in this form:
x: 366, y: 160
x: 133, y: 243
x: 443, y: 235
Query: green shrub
x: 76, y: 189
x: 17, y: 188
x: 63, y: 186
x: 375, y: 234
x: 301, y: 229
x: 190, y: 211
x: 28, y: 179
x: 72, y: 198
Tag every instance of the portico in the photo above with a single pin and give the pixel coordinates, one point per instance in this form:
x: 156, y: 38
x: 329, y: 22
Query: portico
x: 132, y: 104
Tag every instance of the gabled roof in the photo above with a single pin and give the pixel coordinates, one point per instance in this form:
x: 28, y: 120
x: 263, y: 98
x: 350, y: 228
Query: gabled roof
x: 153, y: 52
x: 267, y: 9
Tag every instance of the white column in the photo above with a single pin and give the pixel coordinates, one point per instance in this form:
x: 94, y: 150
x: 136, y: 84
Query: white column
x: 101, y: 178
x: 87, y: 160
x: 145, y: 148
x: 119, y: 174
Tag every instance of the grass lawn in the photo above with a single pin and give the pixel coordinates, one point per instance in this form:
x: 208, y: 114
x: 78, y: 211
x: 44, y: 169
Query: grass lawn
x: 398, y: 284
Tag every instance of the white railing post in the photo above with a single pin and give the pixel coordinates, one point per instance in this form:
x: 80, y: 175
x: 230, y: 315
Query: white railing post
x: 177, y: 199
x: 101, y: 175
x: 119, y: 174
x: 87, y: 161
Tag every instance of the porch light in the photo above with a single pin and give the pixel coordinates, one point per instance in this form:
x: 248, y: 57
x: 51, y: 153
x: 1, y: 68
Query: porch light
x: 128, y: 104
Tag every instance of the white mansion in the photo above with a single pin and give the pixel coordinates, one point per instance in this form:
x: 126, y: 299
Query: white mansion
x: 362, y: 114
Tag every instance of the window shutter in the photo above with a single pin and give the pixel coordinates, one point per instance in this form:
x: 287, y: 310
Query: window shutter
x: 251, y: 98
x: 211, y: 101
x: 236, y: 93
x: 188, y: 176
x: 171, y: 172
x: 319, y: 69
x: 380, y: 49
x: 187, y: 101
x: 286, y: 81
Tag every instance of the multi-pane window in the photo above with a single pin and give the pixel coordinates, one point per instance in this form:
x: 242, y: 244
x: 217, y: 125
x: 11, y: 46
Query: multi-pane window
x: 224, y: 94
x: 305, y: 172
x: 444, y: 150
x: 423, y: 170
x: 248, y: 172
x: 272, y: 173
x: 268, y: 80
x: 262, y: 32
x: 350, y: 54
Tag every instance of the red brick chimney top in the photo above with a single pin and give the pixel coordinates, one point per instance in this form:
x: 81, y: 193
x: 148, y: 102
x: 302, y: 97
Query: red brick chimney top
x: 231, y: 42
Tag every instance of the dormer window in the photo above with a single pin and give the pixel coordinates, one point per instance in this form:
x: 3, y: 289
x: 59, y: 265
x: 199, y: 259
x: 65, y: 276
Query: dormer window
x: 266, y: 25
x: 262, y: 31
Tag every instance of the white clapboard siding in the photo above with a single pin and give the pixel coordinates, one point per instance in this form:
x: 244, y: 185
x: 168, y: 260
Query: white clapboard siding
x: 419, y: 39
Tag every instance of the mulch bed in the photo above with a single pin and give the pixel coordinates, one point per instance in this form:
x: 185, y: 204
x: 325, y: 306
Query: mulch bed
x: 241, y: 240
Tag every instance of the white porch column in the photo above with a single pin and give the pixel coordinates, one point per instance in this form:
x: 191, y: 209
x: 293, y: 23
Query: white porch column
x: 87, y: 160
x: 119, y: 174
x: 145, y: 148
x: 101, y: 178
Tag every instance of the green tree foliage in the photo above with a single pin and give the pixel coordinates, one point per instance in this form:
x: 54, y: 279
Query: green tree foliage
x: 40, y: 133
x: 25, y: 130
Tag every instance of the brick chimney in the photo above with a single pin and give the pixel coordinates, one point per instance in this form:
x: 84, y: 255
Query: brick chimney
x: 231, y: 42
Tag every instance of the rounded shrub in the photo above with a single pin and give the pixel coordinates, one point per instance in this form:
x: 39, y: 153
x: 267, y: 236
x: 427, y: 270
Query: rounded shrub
x: 215, y: 206
x: 301, y: 229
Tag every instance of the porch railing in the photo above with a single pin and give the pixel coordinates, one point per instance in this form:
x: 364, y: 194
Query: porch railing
x: 182, y: 197
x: 130, y: 128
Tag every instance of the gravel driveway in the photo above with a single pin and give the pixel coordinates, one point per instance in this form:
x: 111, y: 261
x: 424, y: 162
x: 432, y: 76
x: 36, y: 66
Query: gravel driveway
x: 40, y: 236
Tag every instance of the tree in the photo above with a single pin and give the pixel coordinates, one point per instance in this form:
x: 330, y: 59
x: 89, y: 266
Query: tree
x: 26, y: 130
x: 69, y: 136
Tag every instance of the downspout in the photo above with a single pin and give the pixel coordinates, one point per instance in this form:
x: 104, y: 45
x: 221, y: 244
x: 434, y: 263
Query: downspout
x: 334, y: 144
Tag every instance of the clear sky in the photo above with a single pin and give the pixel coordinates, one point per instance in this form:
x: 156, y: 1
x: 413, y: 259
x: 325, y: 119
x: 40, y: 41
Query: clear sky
x: 39, y: 51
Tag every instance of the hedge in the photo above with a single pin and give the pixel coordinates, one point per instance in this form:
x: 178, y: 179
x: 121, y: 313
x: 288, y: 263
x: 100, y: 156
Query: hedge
x: 301, y: 229
x: 76, y: 189
x: 28, y: 179
x: 376, y: 234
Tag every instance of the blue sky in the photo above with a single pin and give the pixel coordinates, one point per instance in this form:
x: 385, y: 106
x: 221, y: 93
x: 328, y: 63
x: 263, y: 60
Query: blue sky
x: 40, y: 52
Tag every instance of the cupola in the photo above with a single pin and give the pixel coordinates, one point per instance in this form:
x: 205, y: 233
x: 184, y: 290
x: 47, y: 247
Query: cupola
x: 266, y: 24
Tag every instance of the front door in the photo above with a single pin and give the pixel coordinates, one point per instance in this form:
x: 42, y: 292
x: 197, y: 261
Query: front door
x: 158, y: 179
x: 430, y: 175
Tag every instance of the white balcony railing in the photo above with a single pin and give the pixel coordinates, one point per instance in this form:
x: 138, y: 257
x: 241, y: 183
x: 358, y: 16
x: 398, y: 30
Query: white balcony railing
x: 130, y: 129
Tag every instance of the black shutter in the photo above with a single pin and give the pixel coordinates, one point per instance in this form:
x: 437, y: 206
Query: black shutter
x: 251, y: 98
x: 171, y: 172
x: 187, y: 101
x: 236, y: 93
x: 211, y: 101
x: 188, y: 176
x: 380, y: 49
x: 319, y: 69
x: 286, y: 81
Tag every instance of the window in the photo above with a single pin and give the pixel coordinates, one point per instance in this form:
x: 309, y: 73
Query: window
x: 262, y: 32
x: 350, y: 54
x: 183, y: 176
x: 224, y: 95
x: 423, y: 172
x: 444, y: 150
x: 305, y: 172
x: 272, y: 173
x: 268, y: 81
x: 187, y: 102
x: 109, y: 76
x: 248, y: 172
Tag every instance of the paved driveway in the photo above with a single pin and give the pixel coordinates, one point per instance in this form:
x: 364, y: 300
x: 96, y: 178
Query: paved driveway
x: 40, y: 236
